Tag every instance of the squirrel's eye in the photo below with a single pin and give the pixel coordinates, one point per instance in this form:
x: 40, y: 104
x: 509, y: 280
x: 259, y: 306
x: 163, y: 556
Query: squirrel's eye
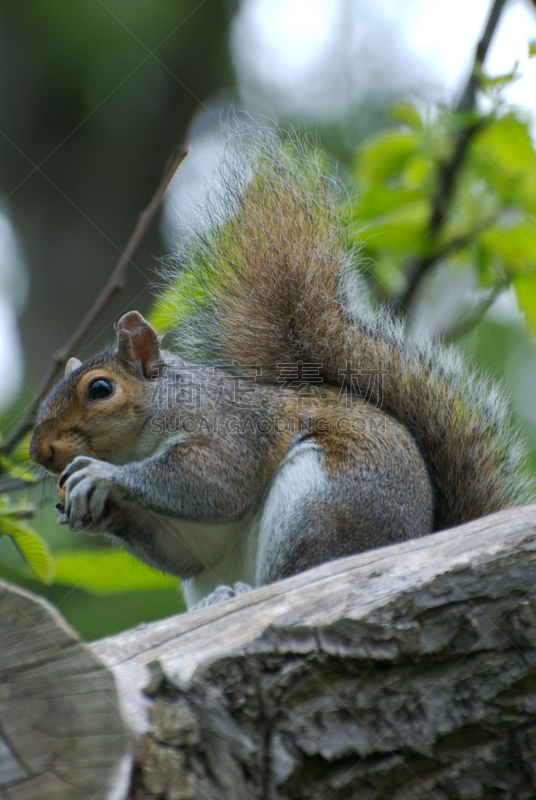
x: 100, y: 389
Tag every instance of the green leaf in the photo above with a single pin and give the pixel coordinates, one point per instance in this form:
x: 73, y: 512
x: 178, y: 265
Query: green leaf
x: 108, y: 572
x: 503, y: 155
x: 389, y: 273
x: 26, y: 471
x: 18, y: 464
x: 500, y: 81
x: 385, y: 155
x: 532, y: 48
x: 406, y: 114
x: 525, y: 286
x: 32, y: 548
x: 35, y: 551
x: 402, y: 229
x: 163, y: 314
x: 380, y: 199
x: 516, y: 246
x: 180, y: 299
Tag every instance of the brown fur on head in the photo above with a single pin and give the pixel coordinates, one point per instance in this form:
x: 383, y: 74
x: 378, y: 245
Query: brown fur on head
x: 99, y: 409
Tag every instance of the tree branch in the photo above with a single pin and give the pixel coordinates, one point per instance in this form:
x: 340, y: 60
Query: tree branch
x: 408, y: 671
x: 466, y: 324
x: 449, y: 170
x: 114, y: 284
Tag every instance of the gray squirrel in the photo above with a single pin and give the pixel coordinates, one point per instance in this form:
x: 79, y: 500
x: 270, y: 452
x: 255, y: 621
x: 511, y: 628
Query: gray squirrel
x: 294, y: 423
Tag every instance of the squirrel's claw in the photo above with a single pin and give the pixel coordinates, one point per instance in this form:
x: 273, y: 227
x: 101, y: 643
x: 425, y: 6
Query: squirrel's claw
x: 78, y: 463
x: 88, y: 483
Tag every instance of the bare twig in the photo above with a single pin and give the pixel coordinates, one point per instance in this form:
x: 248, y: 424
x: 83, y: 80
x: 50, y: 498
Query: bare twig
x: 449, y: 170
x: 113, y: 285
x: 467, y: 324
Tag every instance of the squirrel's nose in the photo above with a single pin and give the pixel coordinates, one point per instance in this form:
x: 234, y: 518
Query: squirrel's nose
x: 42, y: 453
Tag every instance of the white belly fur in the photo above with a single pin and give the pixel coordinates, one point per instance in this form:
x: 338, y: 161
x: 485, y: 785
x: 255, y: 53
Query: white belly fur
x: 224, y: 554
x: 237, y: 564
x: 219, y: 554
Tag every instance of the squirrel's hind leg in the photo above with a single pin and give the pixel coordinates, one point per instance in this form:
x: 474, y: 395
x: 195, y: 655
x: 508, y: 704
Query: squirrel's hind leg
x: 316, y: 511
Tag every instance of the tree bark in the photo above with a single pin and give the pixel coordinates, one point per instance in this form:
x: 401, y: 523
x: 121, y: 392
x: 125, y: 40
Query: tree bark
x: 406, y: 672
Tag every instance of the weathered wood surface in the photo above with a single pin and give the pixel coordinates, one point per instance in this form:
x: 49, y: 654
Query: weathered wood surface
x: 405, y: 672
x: 402, y: 673
x: 61, y: 734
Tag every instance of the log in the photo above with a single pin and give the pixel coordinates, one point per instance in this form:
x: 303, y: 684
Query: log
x: 406, y: 672
x: 61, y: 732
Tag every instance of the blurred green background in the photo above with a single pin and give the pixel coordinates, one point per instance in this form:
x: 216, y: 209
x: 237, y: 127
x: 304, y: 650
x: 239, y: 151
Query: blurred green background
x: 95, y: 96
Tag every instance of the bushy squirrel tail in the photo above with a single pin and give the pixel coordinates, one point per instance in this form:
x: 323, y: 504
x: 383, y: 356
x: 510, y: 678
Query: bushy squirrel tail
x: 273, y: 283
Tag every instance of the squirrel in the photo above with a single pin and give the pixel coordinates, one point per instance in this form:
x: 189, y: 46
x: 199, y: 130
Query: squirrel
x: 293, y: 422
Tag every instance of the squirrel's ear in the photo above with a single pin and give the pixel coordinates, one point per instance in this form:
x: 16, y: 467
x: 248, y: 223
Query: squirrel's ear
x: 71, y: 365
x: 138, y: 342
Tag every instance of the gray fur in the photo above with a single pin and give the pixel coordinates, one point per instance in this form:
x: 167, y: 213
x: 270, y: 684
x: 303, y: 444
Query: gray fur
x: 203, y: 490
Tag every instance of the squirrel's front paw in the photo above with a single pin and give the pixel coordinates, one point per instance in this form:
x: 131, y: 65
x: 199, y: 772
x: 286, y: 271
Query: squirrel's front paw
x: 87, y: 483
